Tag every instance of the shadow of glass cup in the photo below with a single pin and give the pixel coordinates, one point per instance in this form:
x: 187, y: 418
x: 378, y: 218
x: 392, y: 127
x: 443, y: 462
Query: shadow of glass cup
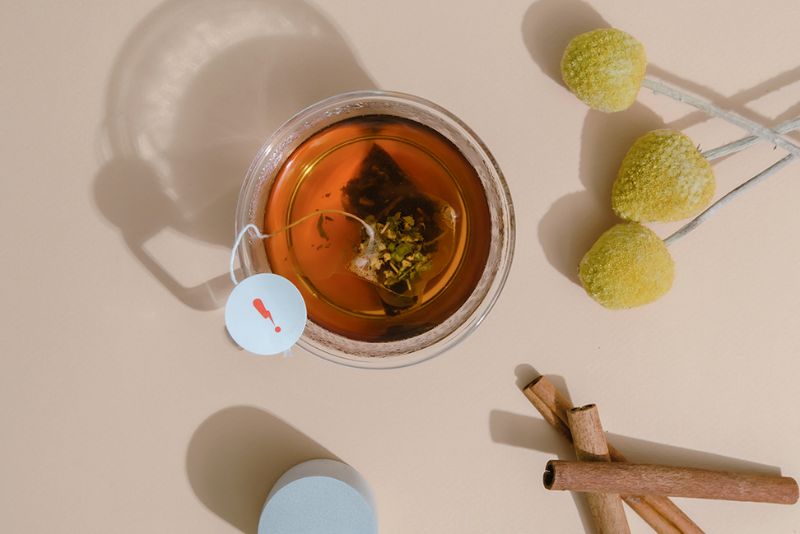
x: 194, y: 91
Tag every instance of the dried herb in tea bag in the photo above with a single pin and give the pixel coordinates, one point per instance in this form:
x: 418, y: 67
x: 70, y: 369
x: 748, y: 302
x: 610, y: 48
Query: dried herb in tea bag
x: 413, y: 230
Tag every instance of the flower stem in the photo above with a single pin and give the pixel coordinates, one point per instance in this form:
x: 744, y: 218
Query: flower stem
x: 752, y: 182
x: 745, y: 142
x: 659, y: 87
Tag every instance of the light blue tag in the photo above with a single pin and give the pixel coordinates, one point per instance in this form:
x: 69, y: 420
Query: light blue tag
x: 265, y: 314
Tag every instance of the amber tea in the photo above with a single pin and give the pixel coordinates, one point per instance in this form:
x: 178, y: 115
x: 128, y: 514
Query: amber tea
x: 415, y: 239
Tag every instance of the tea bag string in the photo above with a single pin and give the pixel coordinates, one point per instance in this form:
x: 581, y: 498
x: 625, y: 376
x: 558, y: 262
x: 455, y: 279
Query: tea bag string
x: 259, y: 235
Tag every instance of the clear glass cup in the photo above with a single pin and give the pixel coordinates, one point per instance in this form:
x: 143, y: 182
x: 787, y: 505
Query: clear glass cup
x: 464, y: 320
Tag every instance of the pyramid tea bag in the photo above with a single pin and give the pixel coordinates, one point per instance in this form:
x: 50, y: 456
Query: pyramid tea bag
x: 414, y: 232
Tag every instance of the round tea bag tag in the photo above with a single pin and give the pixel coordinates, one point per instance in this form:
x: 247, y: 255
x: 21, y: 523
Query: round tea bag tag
x: 265, y: 314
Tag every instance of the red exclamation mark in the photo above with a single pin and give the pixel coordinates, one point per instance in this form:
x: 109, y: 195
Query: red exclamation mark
x: 259, y: 305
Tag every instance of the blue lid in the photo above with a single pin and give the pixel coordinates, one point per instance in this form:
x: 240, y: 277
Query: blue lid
x: 317, y: 505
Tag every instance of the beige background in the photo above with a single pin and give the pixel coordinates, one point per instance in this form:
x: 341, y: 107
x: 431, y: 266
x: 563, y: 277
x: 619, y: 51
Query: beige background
x: 125, y: 129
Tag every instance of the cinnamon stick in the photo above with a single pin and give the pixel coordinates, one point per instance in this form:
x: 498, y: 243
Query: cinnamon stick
x: 667, y: 480
x: 671, y: 518
x: 660, y: 520
x: 553, y: 406
x: 660, y: 513
x: 590, y: 446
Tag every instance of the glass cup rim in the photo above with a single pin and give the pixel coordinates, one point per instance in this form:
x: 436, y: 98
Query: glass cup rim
x: 297, y: 129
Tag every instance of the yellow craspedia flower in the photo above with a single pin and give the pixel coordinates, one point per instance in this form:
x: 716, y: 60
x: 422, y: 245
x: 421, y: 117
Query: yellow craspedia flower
x: 604, y: 68
x: 628, y: 266
x: 662, y: 178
